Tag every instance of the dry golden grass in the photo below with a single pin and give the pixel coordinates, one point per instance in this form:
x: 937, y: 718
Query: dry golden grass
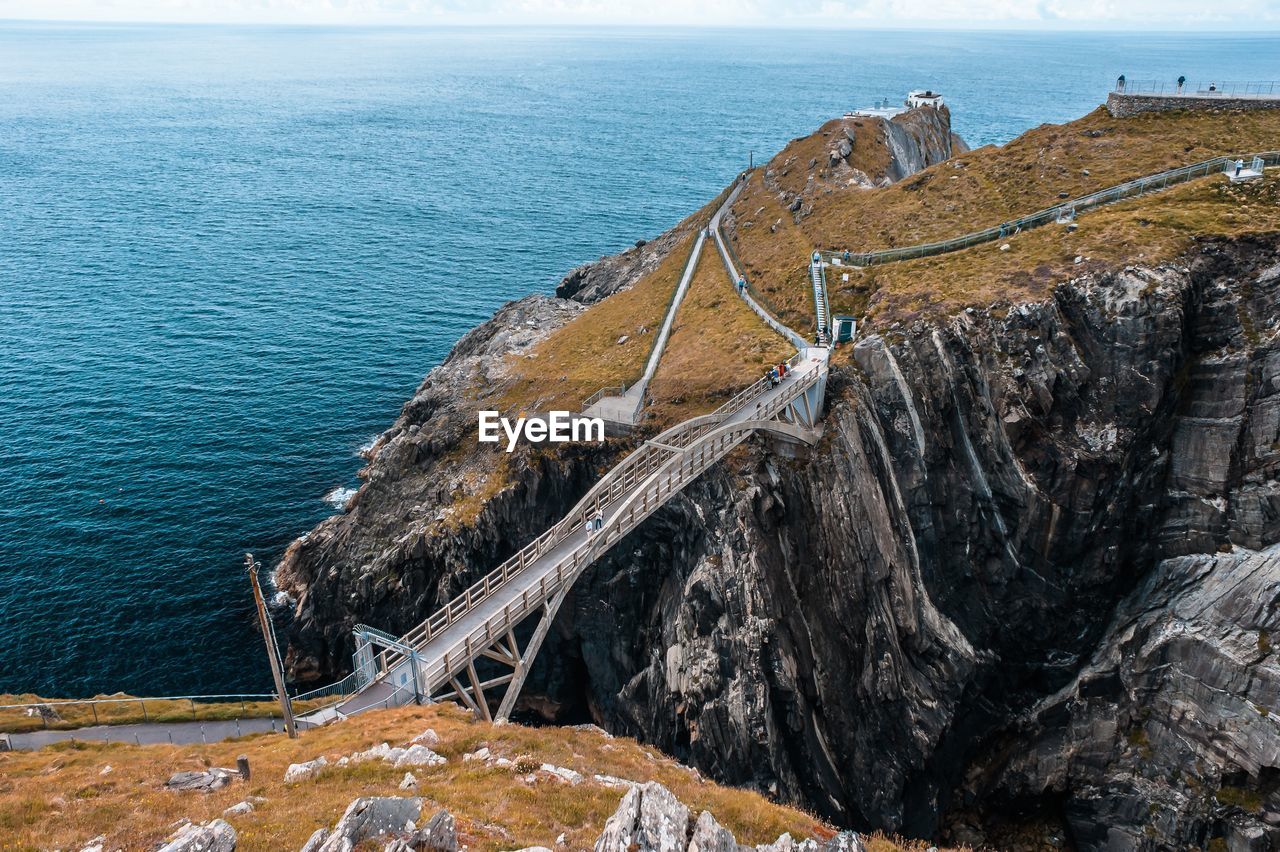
x: 718, y: 346
x: 974, y: 191
x: 1145, y: 230
x: 584, y: 356
x: 59, y: 798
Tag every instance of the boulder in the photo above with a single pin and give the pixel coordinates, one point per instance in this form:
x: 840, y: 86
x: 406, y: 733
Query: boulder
x: 845, y: 841
x: 316, y: 840
x: 382, y: 751
x: 303, y: 771
x: 214, y: 836
x: 563, y: 773
x: 710, y: 836
x: 409, y: 782
x: 440, y: 834
x: 369, y: 818
x: 419, y: 755
x: 649, y: 817
x: 239, y: 809
x: 205, y: 782
x: 620, y: 829
x: 428, y: 738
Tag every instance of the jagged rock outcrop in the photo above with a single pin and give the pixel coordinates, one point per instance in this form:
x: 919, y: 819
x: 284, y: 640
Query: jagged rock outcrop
x: 213, y: 836
x: 651, y: 819
x: 987, y: 493
x: 1170, y: 718
x: 919, y: 138
x: 593, y: 281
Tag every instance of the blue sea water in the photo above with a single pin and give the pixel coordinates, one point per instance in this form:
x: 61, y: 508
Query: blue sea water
x: 228, y: 255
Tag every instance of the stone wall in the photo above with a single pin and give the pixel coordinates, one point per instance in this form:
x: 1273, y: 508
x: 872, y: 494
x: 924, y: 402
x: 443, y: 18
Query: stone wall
x: 1124, y: 105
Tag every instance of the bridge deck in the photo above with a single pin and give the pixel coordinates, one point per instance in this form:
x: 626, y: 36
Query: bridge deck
x: 431, y: 654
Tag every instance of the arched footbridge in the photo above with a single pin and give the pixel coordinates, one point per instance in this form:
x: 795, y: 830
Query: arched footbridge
x: 437, y: 660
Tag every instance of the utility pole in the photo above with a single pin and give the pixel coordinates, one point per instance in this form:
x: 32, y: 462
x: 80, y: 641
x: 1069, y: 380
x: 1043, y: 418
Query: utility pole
x: 273, y: 653
x: 751, y: 160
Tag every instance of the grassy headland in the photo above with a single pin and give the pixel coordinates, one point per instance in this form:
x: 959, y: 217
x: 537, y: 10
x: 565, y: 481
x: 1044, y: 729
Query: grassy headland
x: 985, y: 187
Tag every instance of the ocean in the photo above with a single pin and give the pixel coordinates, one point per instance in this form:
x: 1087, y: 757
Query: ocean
x: 228, y: 255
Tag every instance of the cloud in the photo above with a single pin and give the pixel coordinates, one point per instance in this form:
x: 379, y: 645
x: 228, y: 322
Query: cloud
x: 1166, y: 14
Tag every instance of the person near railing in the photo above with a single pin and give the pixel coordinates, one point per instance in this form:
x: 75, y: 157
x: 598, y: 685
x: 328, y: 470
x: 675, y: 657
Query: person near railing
x: 1239, y: 166
x: 1182, y: 81
x: 1120, y: 83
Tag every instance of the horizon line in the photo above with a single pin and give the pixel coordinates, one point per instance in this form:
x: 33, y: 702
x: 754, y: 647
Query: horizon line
x: 1199, y: 28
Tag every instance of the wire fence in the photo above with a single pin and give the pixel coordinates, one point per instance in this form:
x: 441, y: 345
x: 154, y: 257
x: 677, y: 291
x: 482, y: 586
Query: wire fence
x: 61, y: 715
x: 1063, y: 212
x: 1201, y: 89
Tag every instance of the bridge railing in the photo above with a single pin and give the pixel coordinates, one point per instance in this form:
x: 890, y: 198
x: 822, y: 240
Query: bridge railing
x: 619, y: 390
x: 676, y: 472
x: 1201, y: 89
x: 1129, y: 189
x: 758, y: 302
x: 622, y: 478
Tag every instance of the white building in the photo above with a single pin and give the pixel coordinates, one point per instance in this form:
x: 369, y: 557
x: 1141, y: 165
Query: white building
x: 924, y: 98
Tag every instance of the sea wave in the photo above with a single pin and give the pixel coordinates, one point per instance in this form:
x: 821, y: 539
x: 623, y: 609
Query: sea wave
x: 338, y: 497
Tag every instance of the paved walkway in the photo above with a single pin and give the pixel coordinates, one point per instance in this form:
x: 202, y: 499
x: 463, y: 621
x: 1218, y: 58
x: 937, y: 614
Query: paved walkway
x: 735, y: 275
x: 148, y: 733
x: 626, y: 408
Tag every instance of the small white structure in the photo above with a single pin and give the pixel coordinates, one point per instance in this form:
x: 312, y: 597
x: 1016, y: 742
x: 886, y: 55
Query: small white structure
x: 924, y: 98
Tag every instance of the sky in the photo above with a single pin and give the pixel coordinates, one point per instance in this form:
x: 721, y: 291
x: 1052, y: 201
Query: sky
x: 1032, y: 14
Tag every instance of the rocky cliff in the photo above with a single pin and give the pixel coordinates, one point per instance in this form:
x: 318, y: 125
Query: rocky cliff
x: 978, y: 589
x: 1022, y: 588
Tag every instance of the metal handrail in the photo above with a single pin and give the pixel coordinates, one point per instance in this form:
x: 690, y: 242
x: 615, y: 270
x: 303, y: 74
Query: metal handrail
x: 347, y: 686
x: 660, y: 483
x: 1128, y: 189
x: 754, y: 298
x: 62, y: 702
x: 1255, y: 88
x: 634, y: 471
x: 644, y: 363
x: 140, y: 701
x: 612, y: 484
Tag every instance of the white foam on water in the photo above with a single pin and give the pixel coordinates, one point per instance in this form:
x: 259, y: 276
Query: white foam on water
x: 338, y: 497
x: 367, y: 447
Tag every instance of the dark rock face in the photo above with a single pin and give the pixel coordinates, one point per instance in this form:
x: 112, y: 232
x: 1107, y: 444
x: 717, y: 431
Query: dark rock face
x: 592, y: 282
x: 975, y: 590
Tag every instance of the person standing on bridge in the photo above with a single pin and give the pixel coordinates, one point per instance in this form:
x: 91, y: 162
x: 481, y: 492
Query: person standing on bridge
x: 1239, y: 167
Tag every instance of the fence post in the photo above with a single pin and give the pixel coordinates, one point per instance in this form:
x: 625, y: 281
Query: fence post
x: 143, y: 702
x: 193, y: 707
x: 94, y: 705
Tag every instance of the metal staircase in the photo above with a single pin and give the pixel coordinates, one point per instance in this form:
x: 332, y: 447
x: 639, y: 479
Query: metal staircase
x: 437, y: 660
x: 822, y: 310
